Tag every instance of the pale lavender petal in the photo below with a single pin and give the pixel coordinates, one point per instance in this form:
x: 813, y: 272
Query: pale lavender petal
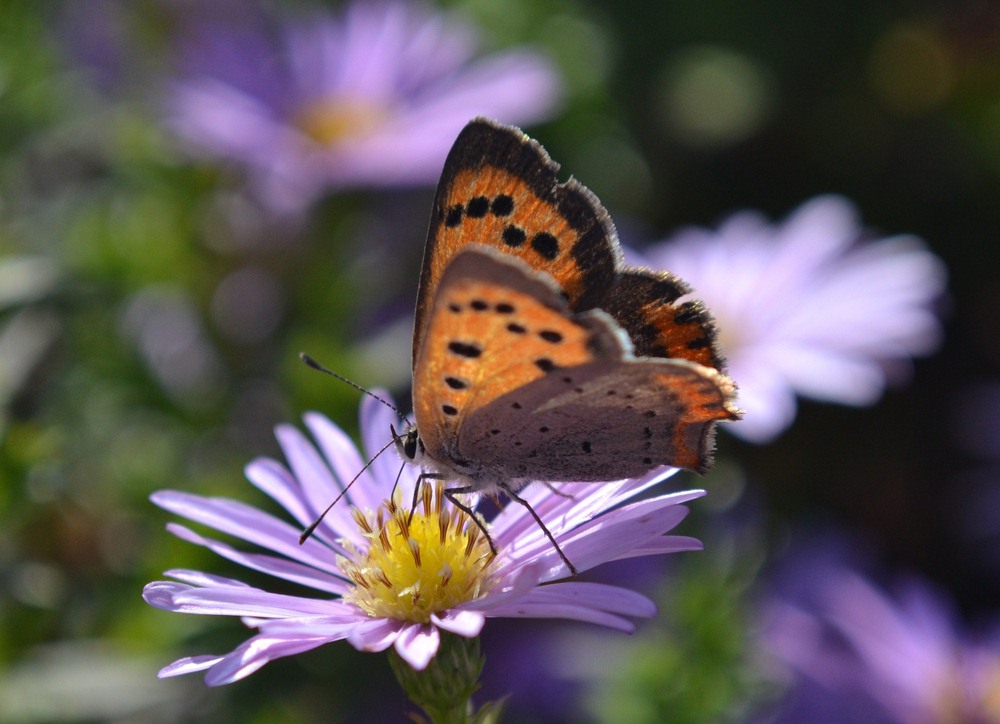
x: 530, y: 609
x: 377, y: 422
x: 376, y: 634
x: 598, y: 542
x: 767, y: 400
x: 417, y: 644
x: 461, y: 623
x: 274, y: 479
x: 319, y: 484
x: 602, y: 539
x: 600, y: 596
x: 217, y: 117
x: 573, y: 503
x: 516, y: 584
x: 330, y: 582
x: 570, y: 503
x: 160, y: 594
x: 883, y: 636
x: 246, y: 522
x: 254, y: 653
x: 367, y: 491
x: 663, y: 544
x: 182, y: 598
x: 188, y: 665
x: 332, y: 627
x: 200, y: 578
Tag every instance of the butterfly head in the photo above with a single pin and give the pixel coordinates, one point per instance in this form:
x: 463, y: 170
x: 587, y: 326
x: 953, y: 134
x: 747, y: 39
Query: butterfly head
x: 409, y: 445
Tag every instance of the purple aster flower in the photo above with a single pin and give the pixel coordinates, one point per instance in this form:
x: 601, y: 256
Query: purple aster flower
x: 381, y: 579
x: 374, y: 97
x: 804, y: 308
x: 859, y: 655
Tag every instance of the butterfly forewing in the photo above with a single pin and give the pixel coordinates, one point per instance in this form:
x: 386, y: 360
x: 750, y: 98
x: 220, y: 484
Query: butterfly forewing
x: 643, y: 302
x: 499, y: 188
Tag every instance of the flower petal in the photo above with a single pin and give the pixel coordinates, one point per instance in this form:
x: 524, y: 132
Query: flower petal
x: 246, y: 522
x: 231, y: 601
x: 663, y: 544
x: 254, y: 653
x: 527, y: 608
x: 188, y: 665
x: 278, y: 567
x: 322, y: 480
x: 376, y: 634
x: 417, y: 644
x: 602, y: 596
x: 461, y: 623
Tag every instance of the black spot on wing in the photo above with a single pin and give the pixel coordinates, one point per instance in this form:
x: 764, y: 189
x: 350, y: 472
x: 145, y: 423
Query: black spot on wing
x: 477, y: 207
x: 454, y: 216
x: 463, y: 349
x: 514, y: 236
x: 503, y: 205
x: 545, y: 364
x: 546, y: 245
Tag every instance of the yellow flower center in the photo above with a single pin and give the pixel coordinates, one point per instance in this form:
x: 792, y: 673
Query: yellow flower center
x: 417, y: 563
x: 331, y: 120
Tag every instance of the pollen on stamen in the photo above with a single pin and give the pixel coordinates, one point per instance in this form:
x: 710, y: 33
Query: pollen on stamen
x: 417, y: 564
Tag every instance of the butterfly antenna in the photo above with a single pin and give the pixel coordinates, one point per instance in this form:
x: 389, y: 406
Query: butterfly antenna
x: 315, y: 524
x: 310, y: 362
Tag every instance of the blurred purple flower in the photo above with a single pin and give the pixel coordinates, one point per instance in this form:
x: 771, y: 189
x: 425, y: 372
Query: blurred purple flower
x: 390, y: 580
x: 372, y: 98
x: 803, y: 308
x: 857, y: 655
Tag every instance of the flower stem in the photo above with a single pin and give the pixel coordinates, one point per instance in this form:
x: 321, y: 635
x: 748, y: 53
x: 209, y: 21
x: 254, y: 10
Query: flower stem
x: 444, y: 689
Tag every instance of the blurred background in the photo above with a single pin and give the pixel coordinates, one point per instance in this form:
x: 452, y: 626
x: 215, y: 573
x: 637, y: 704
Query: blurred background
x: 191, y: 193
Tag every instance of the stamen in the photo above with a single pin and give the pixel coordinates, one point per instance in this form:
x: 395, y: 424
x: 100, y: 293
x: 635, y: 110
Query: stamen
x: 418, y: 563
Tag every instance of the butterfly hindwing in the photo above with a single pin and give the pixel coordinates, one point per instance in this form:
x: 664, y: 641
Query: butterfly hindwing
x: 499, y: 189
x: 601, y: 421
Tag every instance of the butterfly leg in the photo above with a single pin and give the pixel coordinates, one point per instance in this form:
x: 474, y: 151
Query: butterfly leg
x: 548, y: 534
x: 450, y: 494
x: 416, y: 491
x: 556, y: 491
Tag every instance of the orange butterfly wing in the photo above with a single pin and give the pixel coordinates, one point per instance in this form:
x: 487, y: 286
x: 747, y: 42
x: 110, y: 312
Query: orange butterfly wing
x: 505, y: 362
x: 499, y: 189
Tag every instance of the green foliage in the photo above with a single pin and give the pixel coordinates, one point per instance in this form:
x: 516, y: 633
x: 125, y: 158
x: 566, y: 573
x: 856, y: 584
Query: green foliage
x: 696, y: 663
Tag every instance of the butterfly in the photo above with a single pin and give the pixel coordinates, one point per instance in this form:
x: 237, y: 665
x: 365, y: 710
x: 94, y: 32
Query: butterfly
x: 538, y: 354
